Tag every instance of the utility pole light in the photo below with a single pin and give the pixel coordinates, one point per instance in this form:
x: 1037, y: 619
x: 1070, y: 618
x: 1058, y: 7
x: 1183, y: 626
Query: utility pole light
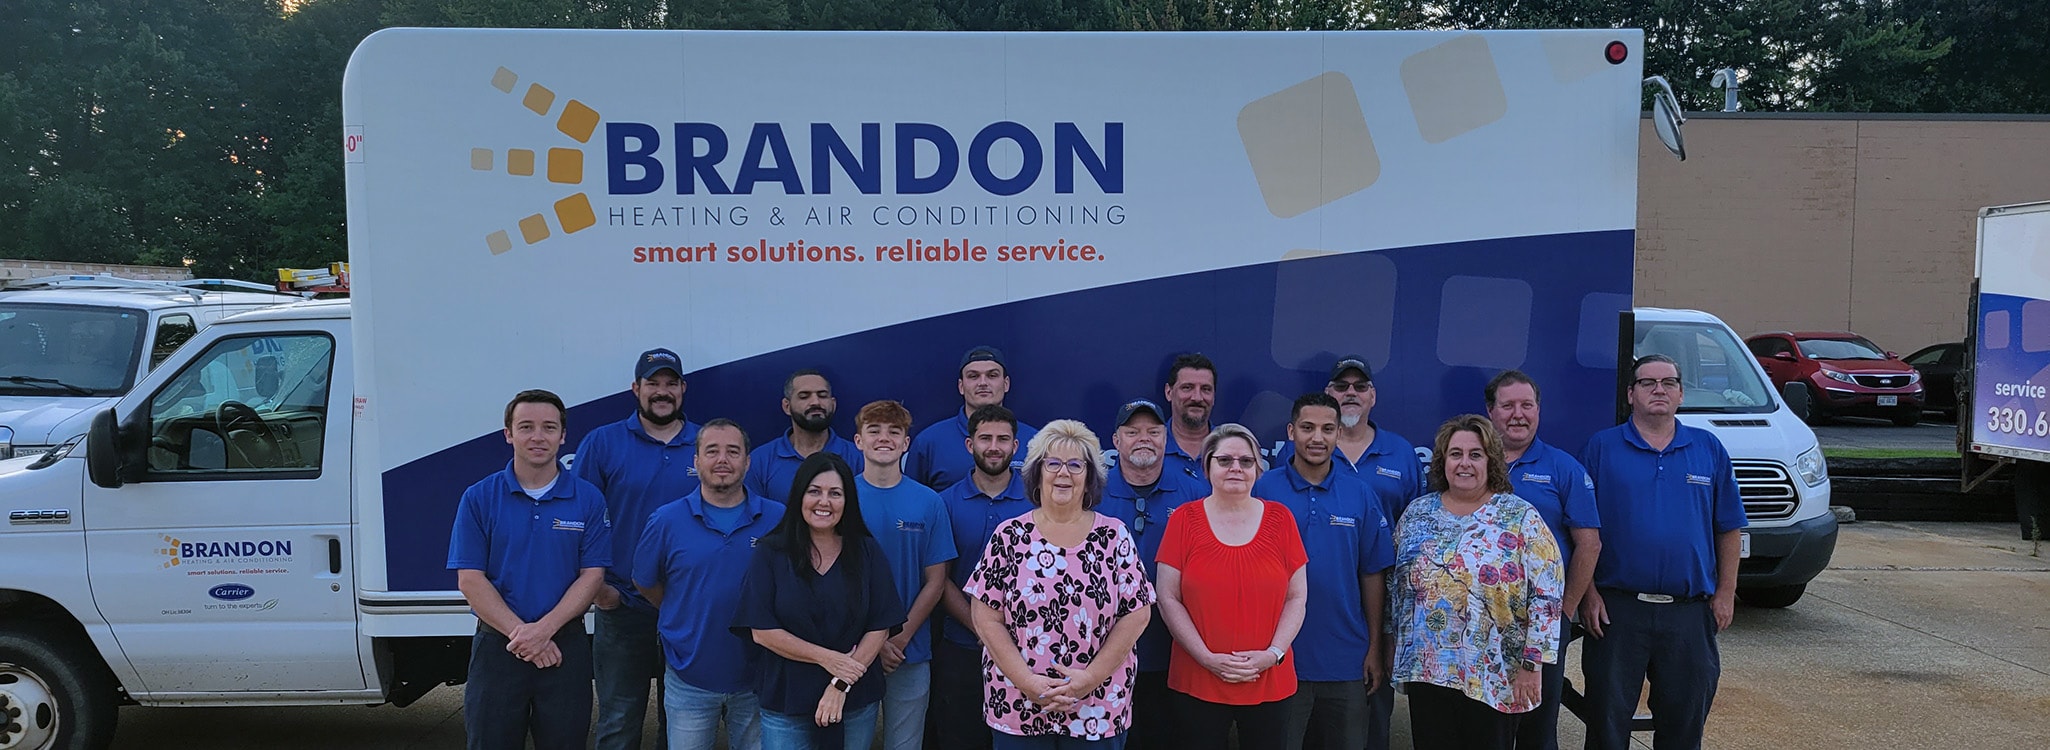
x: 1726, y: 79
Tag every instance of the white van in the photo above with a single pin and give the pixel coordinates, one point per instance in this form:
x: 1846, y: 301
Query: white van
x: 1780, y: 468
x: 72, y: 345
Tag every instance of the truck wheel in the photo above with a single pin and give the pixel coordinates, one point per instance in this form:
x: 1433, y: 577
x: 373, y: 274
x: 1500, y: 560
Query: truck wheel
x: 1772, y: 597
x: 54, y: 693
x: 1908, y: 416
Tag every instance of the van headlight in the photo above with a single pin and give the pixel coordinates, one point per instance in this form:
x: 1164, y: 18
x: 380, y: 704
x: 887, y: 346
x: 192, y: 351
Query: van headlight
x: 1812, y: 468
x: 6, y: 443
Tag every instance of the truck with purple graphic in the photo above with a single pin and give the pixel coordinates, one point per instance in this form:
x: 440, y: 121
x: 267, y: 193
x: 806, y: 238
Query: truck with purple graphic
x: 2004, y: 417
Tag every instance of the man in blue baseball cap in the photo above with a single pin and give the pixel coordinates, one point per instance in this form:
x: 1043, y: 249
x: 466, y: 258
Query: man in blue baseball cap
x: 1142, y: 490
x: 939, y: 455
x: 639, y: 464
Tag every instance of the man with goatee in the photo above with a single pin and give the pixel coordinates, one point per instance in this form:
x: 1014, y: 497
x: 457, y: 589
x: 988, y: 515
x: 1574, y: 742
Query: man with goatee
x: 639, y: 464
x: 808, y: 401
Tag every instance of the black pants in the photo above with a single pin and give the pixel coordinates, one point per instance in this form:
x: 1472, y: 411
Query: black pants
x: 1441, y: 717
x: 506, y: 698
x: 1539, y: 729
x: 1672, y: 644
x: 953, y: 718
x: 1207, y: 726
x: 1152, y: 716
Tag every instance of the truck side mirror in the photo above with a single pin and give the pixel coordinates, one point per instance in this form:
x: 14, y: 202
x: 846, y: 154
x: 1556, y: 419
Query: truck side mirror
x: 102, y: 457
x: 1796, y: 394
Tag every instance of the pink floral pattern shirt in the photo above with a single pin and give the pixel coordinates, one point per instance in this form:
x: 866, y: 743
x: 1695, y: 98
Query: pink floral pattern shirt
x: 1059, y: 605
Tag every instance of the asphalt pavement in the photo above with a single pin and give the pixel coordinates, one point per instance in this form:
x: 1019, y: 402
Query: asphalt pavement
x: 1920, y: 635
x: 1855, y: 432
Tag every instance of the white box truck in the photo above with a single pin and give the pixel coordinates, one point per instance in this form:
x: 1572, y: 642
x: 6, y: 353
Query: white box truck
x: 533, y: 208
x: 2004, y: 394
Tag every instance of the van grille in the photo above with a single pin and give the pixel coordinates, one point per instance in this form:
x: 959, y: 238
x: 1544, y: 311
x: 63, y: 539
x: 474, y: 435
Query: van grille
x: 1768, y: 490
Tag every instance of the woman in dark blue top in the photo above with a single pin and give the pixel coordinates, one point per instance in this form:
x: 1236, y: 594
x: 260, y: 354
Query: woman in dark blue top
x: 818, y: 602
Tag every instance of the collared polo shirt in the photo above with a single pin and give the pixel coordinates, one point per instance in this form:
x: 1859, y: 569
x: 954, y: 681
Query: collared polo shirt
x: 1178, y: 461
x: 1389, y: 468
x: 939, y: 456
x: 909, y: 521
x: 1346, y: 537
x: 531, y: 550
x: 1661, y: 509
x: 1560, y: 490
x: 773, y: 465
x: 975, y: 517
x: 700, y: 569
x: 637, y: 474
x: 1122, y: 502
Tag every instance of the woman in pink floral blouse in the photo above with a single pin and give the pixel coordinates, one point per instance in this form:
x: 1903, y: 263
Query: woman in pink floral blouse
x: 1474, y: 597
x: 1060, y: 597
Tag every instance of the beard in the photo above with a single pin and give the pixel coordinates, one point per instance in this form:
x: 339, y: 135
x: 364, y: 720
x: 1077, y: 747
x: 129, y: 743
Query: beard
x: 807, y: 422
x: 1349, y: 421
x: 982, y: 465
x: 660, y: 420
x: 1141, y: 460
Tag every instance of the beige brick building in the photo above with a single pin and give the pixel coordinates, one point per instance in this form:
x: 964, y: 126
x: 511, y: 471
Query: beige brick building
x: 1797, y: 221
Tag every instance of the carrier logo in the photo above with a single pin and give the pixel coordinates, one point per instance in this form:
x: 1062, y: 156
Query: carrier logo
x: 177, y: 552
x: 231, y: 592
x: 1002, y: 158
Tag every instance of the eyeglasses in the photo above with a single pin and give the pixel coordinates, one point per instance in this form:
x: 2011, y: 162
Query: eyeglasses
x: 1243, y: 462
x: 1056, y: 466
x: 1671, y: 384
x: 1139, y: 520
x: 1356, y: 386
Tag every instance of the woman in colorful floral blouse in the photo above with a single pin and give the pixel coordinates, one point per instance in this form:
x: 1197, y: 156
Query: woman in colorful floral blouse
x: 1060, y: 598
x: 1475, y: 596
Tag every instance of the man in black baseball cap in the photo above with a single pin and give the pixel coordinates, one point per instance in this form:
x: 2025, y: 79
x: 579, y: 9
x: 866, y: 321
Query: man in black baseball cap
x: 639, y: 464
x: 939, y: 457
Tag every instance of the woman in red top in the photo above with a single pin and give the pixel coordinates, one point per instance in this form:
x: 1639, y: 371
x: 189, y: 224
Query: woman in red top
x: 1232, y: 589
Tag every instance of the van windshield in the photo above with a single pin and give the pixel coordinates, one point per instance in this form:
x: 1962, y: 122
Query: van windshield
x: 1718, y: 373
x: 68, y: 350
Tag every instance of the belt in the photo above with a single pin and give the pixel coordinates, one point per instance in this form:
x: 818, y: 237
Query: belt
x: 1643, y: 596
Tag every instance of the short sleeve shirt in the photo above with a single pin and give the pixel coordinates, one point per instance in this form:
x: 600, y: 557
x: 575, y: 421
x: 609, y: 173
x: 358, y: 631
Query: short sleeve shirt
x: 910, y: 522
x: 1059, y: 605
x: 1234, y: 597
x: 831, y: 610
x: 530, y: 549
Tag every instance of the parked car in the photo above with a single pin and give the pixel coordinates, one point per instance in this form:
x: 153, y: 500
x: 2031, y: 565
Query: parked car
x: 1847, y: 374
x: 1941, y: 365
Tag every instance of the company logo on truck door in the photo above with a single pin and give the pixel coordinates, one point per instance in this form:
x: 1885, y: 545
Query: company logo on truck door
x: 1001, y: 159
x: 182, y: 553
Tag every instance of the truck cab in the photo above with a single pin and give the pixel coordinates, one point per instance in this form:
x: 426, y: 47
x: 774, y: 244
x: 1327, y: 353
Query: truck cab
x: 209, y: 504
x: 72, y: 345
x: 1779, y: 464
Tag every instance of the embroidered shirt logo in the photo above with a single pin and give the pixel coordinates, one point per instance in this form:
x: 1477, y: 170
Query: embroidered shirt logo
x: 1387, y: 472
x: 1346, y: 521
x: 1538, y: 478
x: 1698, y: 479
x: 916, y: 527
x: 568, y: 525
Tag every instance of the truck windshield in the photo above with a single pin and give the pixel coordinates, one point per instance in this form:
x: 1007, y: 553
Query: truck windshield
x: 1717, y: 372
x: 68, y: 350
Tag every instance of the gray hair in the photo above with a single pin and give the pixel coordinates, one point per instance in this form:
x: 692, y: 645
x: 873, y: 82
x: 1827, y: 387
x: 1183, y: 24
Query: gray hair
x: 1226, y: 432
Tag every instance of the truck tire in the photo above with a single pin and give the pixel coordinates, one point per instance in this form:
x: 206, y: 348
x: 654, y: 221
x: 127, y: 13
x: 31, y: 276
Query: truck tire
x: 1772, y: 597
x: 55, y: 694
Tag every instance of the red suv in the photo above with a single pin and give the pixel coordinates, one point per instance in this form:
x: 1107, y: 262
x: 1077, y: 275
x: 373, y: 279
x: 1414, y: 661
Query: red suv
x: 1845, y: 373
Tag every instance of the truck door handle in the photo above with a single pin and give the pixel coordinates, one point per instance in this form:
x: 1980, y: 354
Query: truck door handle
x: 334, y: 556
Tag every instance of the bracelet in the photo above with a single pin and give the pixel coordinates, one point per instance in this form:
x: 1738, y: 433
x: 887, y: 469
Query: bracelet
x: 841, y: 685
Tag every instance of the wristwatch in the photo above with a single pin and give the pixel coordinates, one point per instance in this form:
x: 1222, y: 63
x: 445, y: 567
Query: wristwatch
x: 842, y: 685
x: 1279, y: 655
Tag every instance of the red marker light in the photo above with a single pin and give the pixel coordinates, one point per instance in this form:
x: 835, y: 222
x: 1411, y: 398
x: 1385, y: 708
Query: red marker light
x: 1617, y: 52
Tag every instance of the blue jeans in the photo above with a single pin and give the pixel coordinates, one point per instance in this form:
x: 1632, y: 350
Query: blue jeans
x: 626, y: 654
x: 905, y: 692
x: 695, y: 713
x: 791, y: 732
x: 1057, y: 742
x: 506, y: 699
x: 1674, y: 645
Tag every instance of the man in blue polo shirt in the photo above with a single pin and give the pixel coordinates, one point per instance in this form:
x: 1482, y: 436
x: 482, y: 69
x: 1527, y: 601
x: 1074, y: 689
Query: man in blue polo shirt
x: 640, y: 463
x: 1666, y: 579
x: 991, y: 495
x: 1383, y: 460
x: 808, y: 400
x: 689, y: 563
x: 910, y: 522
x: 1555, y: 484
x: 529, y: 548
x: 1142, y: 491
x: 1191, y: 393
x: 1339, y: 661
x: 936, y: 458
